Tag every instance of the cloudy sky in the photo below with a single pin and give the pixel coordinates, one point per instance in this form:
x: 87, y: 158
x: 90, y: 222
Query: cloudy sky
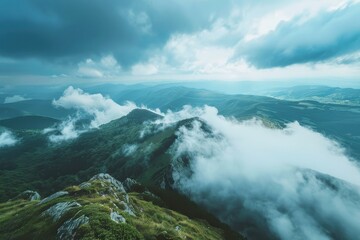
x: 127, y: 40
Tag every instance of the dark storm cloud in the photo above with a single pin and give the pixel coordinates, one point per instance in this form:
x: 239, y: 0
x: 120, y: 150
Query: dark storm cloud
x: 68, y: 31
x: 327, y: 35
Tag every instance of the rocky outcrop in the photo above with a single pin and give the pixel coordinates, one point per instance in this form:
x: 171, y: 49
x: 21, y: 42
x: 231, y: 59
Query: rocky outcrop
x: 53, y: 196
x: 85, y: 185
x: 116, y: 189
x: 106, y: 211
x: 28, y: 195
x: 67, y: 231
x: 129, y: 184
x: 116, y: 217
x: 128, y: 208
x: 115, y: 184
x: 59, y: 209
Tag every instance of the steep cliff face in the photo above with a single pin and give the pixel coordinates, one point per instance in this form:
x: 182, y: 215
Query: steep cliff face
x: 101, y: 208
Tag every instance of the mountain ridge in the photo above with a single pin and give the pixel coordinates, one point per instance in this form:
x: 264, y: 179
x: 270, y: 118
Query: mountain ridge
x: 101, y: 208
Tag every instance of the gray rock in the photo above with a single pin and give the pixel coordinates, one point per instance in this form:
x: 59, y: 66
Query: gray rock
x: 85, y: 185
x: 28, y: 195
x: 129, y: 184
x: 128, y: 209
x: 150, y: 194
x: 117, y: 185
x: 53, y: 196
x: 163, y: 184
x: 59, y: 209
x: 116, y: 217
x: 67, y: 231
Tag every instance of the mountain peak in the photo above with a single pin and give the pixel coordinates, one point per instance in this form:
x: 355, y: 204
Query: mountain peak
x: 140, y: 115
x: 104, y: 177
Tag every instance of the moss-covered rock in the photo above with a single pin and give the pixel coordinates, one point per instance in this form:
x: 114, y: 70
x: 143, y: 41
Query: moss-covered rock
x: 100, y: 208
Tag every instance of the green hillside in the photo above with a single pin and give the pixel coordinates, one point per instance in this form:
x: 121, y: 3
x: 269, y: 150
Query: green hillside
x: 8, y: 112
x: 101, y: 208
x: 99, y: 150
x: 336, y: 121
x: 319, y: 93
x: 34, y: 107
x: 28, y: 122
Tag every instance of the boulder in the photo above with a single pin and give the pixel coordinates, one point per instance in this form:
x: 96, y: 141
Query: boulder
x: 28, y: 195
x: 53, y: 196
x: 67, y: 231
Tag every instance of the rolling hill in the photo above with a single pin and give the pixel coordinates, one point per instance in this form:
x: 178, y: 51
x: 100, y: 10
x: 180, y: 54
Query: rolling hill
x: 28, y: 122
x: 337, y: 121
x: 101, y: 208
x: 323, y: 94
x: 121, y: 149
x: 33, y: 107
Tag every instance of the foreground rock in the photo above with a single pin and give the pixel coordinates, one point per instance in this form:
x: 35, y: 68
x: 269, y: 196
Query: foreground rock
x: 28, y: 195
x: 101, y: 208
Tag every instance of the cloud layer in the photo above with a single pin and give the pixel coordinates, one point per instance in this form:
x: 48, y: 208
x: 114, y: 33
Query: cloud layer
x: 291, y: 183
x: 101, y: 108
x: 7, y: 139
x: 74, y: 31
x: 167, y: 39
x: 15, y: 98
x: 93, y: 110
x: 327, y: 35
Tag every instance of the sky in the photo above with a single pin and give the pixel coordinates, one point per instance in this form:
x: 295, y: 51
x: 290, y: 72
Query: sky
x: 132, y: 41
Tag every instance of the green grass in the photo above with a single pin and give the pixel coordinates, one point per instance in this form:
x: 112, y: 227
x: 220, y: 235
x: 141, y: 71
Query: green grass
x: 23, y: 219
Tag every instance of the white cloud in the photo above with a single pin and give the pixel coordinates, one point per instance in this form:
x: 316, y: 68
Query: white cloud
x: 15, y: 98
x: 306, y: 9
x: 64, y: 132
x: 140, y: 21
x: 244, y: 171
x: 211, y: 53
x: 101, y: 108
x: 144, y: 69
x: 7, y: 139
x: 129, y: 149
x: 107, y: 66
x: 93, y: 110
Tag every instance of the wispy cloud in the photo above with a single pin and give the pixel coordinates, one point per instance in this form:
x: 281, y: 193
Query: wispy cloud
x: 7, y: 139
x: 15, y: 98
x: 65, y: 131
x: 102, y: 109
x: 93, y: 110
x: 269, y: 179
x: 129, y: 149
x: 234, y: 40
x: 324, y: 36
x: 107, y: 66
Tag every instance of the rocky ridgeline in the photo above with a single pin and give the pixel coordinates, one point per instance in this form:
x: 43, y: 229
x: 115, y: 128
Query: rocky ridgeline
x: 103, y: 185
x: 101, y: 208
x: 28, y: 195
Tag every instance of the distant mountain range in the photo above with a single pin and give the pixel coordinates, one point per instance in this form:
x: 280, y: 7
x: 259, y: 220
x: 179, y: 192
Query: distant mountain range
x: 28, y: 122
x: 319, y: 93
x: 43, y: 108
x: 121, y: 149
x: 337, y: 121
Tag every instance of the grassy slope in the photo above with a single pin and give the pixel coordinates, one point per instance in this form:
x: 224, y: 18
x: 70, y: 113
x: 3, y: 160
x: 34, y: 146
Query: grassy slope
x: 100, y: 150
x: 339, y: 122
x: 34, y: 107
x: 22, y: 219
x: 28, y: 122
